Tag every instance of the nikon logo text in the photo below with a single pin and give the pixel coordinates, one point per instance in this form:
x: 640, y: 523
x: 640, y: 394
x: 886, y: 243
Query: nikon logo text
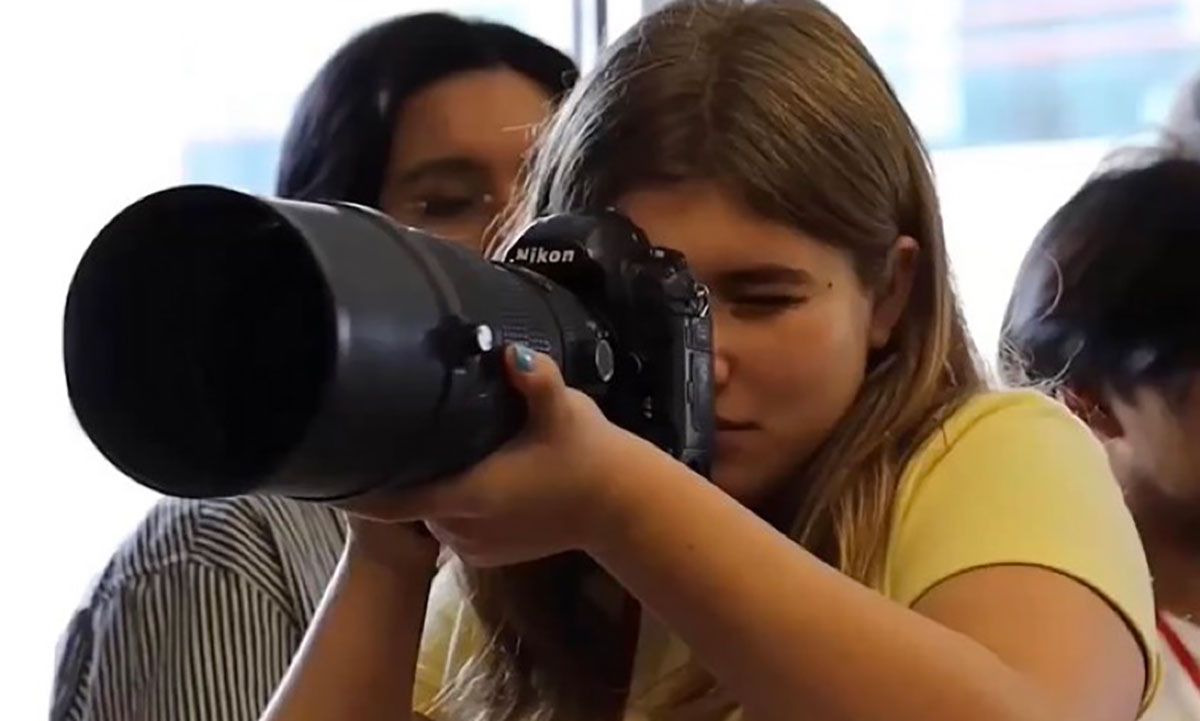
x: 538, y: 256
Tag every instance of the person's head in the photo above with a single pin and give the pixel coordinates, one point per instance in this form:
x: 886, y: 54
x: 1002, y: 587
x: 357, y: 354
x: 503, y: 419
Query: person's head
x: 426, y: 117
x: 1105, y: 314
x: 762, y: 141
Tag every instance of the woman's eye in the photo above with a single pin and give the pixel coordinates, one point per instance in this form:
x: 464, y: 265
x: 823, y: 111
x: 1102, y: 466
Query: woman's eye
x: 763, y: 305
x: 767, y: 301
x: 443, y: 207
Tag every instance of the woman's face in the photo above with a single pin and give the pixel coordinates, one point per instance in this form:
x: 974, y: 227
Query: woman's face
x: 457, y: 151
x: 793, y: 325
x: 1157, y: 449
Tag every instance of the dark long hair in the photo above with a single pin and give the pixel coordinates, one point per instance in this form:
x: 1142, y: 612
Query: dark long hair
x: 1106, y: 299
x: 779, y: 102
x: 338, y: 143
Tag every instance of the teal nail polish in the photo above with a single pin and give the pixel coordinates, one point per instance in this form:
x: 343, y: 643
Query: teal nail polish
x: 524, y: 358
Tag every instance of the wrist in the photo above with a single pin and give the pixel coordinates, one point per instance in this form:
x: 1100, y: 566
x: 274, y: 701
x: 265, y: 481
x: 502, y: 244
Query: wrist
x: 630, y: 485
x: 377, y: 552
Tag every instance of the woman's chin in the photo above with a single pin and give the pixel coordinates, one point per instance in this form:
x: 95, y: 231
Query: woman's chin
x: 740, y: 480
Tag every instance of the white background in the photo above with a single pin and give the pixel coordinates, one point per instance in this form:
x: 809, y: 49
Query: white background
x: 97, y: 101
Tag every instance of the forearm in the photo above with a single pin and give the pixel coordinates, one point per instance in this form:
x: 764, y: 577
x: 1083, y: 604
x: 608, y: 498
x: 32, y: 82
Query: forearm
x: 358, y: 657
x: 786, y: 634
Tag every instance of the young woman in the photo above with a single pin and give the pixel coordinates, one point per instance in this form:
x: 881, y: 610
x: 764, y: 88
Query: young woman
x: 1105, y: 314
x: 882, y: 538
x: 429, y: 118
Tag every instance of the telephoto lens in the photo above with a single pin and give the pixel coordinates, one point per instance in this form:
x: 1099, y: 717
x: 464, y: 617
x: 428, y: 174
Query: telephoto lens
x: 218, y: 343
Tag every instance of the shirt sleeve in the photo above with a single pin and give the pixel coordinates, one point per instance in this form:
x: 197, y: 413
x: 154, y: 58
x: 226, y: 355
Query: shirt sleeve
x: 1021, y: 481
x: 189, y: 642
x: 451, y: 640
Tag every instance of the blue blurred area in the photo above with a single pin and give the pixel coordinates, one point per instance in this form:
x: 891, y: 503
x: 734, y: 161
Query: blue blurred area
x: 246, y: 164
x: 1015, y: 71
x: 1106, y: 96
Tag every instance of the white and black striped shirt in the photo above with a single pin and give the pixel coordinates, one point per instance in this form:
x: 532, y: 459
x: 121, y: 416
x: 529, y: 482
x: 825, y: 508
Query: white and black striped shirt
x: 199, y: 613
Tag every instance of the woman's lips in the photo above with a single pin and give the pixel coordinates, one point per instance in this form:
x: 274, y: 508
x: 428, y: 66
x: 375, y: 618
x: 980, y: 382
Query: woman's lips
x: 733, y: 436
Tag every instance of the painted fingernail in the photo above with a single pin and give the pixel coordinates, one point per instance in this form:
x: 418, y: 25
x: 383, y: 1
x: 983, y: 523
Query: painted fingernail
x: 524, y: 358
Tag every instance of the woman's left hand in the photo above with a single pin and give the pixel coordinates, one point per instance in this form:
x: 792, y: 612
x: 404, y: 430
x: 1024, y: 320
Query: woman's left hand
x: 554, y: 487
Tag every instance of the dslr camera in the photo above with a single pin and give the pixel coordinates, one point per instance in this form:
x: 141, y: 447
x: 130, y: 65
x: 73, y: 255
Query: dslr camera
x: 218, y: 343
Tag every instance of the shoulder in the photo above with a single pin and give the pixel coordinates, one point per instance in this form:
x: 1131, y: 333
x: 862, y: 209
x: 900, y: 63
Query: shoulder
x: 1011, y: 474
x: 257, y: 540
x: 198, y: 580
x: 1006, y: 450
x: 997, y: 423
x: 1013, y: 478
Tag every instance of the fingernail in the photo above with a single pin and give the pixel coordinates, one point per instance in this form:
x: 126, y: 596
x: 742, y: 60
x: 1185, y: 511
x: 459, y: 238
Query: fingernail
x: 524, y: 358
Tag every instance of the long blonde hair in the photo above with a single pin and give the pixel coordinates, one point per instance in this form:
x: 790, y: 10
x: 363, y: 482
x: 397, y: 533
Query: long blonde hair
x: 779, y: 101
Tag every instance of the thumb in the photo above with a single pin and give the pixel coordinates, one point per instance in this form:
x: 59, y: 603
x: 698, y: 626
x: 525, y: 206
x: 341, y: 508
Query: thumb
x: 538, y: 379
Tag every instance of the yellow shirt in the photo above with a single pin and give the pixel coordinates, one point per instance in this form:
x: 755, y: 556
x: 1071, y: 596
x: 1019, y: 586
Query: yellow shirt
x: 1011, y: 478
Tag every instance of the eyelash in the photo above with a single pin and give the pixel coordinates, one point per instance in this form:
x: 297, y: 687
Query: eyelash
x: 766, y: 299
x: 764, y: 305
x: 450, y: 206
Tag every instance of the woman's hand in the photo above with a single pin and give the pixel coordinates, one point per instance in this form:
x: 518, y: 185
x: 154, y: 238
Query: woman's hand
x: 399, y: 547
x: 377, y: 540
x: 553, y: 488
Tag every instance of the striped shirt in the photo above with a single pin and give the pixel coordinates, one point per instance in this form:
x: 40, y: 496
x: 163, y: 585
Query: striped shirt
x: 199, y: 613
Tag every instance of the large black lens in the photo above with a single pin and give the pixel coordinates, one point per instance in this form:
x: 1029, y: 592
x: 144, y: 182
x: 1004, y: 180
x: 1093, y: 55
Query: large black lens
x: 219, y: 344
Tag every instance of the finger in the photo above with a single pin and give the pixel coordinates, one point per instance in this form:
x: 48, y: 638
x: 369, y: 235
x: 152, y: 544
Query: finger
x: 539, y: 380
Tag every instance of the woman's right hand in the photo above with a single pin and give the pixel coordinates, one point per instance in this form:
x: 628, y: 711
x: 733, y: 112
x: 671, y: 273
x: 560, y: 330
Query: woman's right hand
x: 404, y: 547
x: 401, y: 546
x: 373, y: 612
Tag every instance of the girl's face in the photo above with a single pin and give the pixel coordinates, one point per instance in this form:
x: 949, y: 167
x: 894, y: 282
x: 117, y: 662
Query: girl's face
x: 457, y: 152
x: 793, y: 326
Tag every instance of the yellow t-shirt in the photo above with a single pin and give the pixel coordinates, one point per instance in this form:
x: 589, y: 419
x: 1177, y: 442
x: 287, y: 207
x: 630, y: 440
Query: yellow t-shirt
x: 1011, y: 478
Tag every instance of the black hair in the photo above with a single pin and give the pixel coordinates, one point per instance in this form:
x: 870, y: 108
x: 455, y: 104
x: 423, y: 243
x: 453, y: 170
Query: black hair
x: 339, y: 139
x: 1108, y: 296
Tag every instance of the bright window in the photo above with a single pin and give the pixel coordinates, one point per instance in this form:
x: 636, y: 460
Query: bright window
x: 1019, y: 101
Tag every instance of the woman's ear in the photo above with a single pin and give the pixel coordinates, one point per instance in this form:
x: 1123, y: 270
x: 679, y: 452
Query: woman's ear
x: 891, y: 297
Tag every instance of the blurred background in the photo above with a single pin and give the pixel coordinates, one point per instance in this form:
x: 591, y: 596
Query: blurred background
x: 106, y: 101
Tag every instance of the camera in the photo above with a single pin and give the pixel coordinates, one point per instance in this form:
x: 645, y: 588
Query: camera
x: 218, y: 343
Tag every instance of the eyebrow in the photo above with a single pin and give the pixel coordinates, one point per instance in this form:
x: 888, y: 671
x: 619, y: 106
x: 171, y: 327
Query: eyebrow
x: 449, y: 166
x: 766, y: 274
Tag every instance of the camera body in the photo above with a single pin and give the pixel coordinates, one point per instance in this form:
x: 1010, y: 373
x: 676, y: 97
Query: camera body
x: 655, y: 342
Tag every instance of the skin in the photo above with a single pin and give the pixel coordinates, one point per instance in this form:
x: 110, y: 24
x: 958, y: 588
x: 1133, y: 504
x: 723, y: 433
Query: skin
x: 458, y: 150
x: 989, y: 644
x: 793, y: 328
x: 1152, y: 447
x: 1155, y: 443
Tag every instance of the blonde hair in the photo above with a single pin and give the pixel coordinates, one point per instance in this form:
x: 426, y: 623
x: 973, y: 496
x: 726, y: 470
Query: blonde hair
x: 779, y: 102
